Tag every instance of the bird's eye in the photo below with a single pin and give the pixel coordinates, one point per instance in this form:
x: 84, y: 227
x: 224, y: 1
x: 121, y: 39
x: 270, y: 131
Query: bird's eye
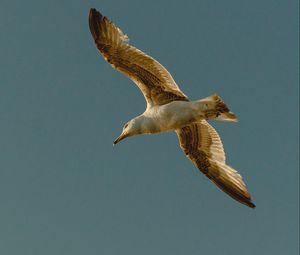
x: 126, y: 125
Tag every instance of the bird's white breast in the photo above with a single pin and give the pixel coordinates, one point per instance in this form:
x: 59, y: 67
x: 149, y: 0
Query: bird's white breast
x: 172, y: 116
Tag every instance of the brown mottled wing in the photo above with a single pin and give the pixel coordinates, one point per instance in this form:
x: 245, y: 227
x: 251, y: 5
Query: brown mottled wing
x: 151, y: 77
x: 202, y: 145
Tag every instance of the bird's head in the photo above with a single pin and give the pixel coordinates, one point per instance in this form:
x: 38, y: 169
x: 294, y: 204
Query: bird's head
x: 131, y: 128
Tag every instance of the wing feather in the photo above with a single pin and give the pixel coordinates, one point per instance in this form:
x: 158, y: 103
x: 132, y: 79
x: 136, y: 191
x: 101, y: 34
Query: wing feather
x: 155, y: 82
x: 202, y: 145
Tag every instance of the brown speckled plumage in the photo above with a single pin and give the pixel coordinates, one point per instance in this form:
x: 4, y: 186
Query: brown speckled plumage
x: 209, y: 157
x: 150, y: 76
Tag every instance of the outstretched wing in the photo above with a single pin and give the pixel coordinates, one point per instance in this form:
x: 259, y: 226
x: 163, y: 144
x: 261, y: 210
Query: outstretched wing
x: 202, y: 145
x: 150, y: 76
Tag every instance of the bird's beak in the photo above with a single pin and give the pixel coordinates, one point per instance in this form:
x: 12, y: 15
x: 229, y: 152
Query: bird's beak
x: 120, y: 138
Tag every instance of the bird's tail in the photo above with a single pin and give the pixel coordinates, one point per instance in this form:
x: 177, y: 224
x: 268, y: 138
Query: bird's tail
x: 214, y: 108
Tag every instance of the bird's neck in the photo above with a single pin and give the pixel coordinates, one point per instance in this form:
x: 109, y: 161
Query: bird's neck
x: 145, y: 125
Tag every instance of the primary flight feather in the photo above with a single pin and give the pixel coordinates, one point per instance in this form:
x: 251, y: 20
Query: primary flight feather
x: 169, y: 109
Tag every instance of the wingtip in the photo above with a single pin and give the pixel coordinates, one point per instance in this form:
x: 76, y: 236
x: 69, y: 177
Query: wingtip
x: 243, y: 200
x: 246, y: 200
x: 95, y: 18
x: 92, y: 10
x: 250, y: 204
x: 94, y: 13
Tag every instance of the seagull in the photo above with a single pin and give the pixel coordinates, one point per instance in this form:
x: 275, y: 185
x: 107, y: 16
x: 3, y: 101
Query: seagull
x: 169, y: 109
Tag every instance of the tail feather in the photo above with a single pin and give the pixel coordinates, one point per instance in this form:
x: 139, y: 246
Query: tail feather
x: 227, y: 116
x: 217, y: 109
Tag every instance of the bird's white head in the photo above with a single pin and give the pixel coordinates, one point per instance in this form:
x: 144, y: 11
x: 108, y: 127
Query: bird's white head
x: 131, y: 128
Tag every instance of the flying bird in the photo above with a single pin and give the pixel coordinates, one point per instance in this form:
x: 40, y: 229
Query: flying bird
x: 169, y: 109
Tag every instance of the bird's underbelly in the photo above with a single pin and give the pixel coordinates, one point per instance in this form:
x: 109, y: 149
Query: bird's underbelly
x: 174, y: 115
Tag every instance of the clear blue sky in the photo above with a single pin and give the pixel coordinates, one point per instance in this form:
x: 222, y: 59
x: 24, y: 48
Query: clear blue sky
x: 64, y: 189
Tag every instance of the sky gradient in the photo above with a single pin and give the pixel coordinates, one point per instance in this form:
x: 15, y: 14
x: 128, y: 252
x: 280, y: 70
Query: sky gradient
x: 64, y: 189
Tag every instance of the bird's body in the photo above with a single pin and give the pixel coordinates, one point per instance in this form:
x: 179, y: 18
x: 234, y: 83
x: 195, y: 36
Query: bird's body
x: 176, y: 114
x: 172, y: 116
x: 169, y: 109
